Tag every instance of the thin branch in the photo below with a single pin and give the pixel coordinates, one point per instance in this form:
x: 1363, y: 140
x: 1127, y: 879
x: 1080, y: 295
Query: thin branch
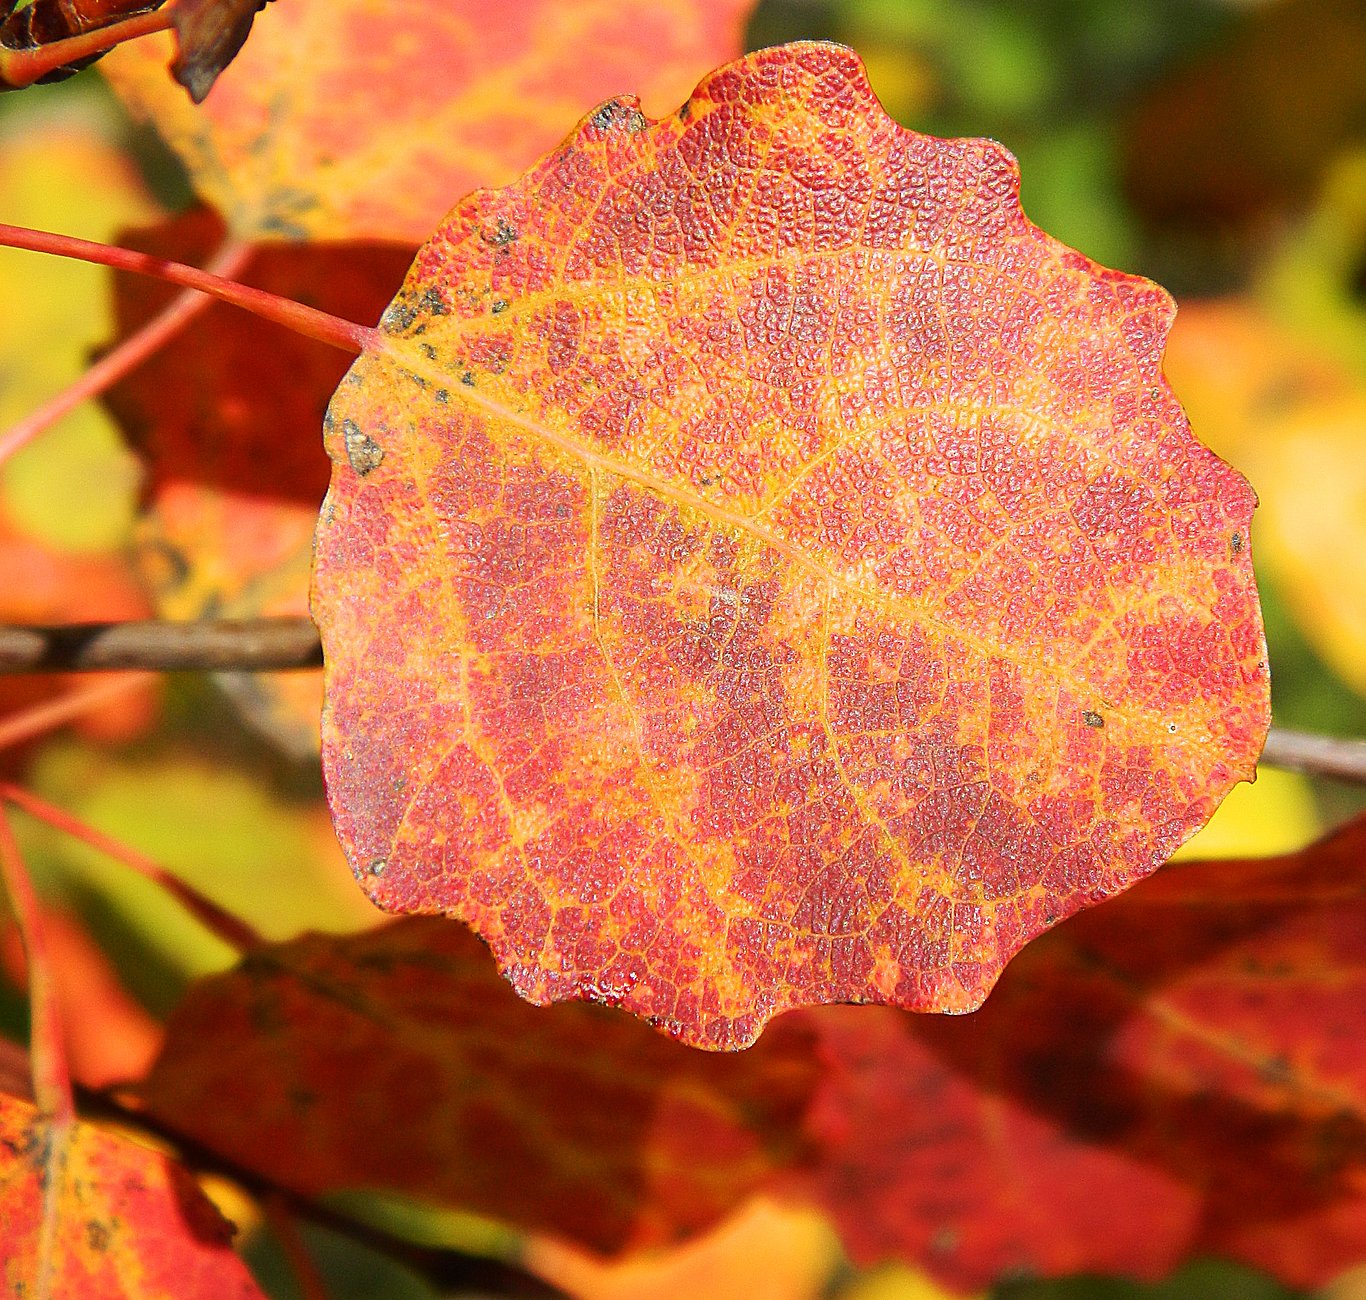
x: 271, y: 644
x: 126, y: 356
x: 247, y: 645
x: 308, y: 321
x: 48, y: 715
x: 1306, y: 751
x: 232, y: 930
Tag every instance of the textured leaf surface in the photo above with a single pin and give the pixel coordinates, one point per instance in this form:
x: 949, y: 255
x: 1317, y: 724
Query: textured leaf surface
x: 130, y: 1225
x: 761, y: 568
x: 398, y: 1060
x: 225, y: 420
x: 365, y: 119
x: 1177, y: 1074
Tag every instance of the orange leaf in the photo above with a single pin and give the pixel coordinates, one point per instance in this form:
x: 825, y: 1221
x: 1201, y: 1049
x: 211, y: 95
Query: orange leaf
x: 128, y: 1223
x: 762, y: 569
x: 401, y: 105
x: 397, y: 1060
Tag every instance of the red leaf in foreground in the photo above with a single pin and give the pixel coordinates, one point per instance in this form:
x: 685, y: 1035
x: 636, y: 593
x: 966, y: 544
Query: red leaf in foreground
x: 762, y: 569
x: 399, y: 1060
x: 1180, y: 1073
x: 130, y: 1224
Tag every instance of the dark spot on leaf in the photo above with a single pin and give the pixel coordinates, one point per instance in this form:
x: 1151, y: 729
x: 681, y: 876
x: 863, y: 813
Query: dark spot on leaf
x: 1092, y: 719
x: 636, y: 121
x: 435, y: 303
x: 96, y: 1236
x: 428, y: 351
x: 1236, y: 543
x: 401, y: 314
x: 378, y: 865
x: 1276, y: 1071
x: 362, y: 450
x: 685, y: 112
x: 442, y: 396
x: 467, y: 379
x: 606, y: 115
x: 499, y: 305
x: 503, y: 233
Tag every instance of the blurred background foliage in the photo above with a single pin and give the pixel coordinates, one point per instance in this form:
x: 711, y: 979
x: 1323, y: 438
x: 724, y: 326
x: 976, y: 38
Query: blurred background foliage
x: 1217, y: 146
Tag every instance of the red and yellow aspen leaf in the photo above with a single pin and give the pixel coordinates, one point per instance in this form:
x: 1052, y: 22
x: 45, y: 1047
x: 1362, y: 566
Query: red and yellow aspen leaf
x: 129, y: 1221
x: 761, y: 569
x: 365, y: 119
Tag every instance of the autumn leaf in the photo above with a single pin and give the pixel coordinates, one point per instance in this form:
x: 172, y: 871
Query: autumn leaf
x: 226, y: 428
x: 1175, y: 1075
x: 399, y: 1061
x: 129, y: 1222
x: 762, y: 569
x: 401, y: 106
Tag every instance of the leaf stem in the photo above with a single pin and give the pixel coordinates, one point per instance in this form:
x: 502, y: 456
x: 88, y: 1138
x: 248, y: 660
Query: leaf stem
x: 284, y: 1224
x: 308, y: 321
x: 128, y: 355
x: 24, y: 724
x: 21, y: 68
x: 51, y: 1079
x: 231, y: 929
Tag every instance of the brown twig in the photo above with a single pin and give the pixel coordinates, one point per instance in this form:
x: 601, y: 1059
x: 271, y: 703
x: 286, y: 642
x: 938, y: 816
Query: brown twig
x: 247, y: 645
x: 1306, y: 751
x: 271, y: 644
